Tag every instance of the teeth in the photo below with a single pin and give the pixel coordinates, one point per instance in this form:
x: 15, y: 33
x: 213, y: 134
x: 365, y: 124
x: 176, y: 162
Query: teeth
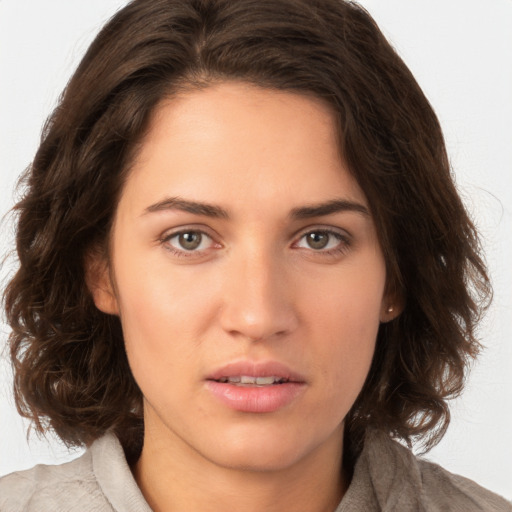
x: 262, y: 381
x: 254, y: 381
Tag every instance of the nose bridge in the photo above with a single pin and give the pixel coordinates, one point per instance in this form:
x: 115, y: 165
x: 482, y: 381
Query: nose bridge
x: 257, y: 301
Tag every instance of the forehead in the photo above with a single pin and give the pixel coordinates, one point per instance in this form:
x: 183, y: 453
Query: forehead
x: 237, y: 143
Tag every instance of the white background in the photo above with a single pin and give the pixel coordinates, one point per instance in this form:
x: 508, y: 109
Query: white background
x: 461, y: 54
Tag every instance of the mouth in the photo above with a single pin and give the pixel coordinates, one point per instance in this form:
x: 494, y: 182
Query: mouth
x: 247, y: 380
x: 256, y: 373
x: 256, y: 387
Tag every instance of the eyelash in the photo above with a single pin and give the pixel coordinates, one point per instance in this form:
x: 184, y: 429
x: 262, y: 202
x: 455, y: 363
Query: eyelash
x: 344, y: 241
x: 183, y: 253
x: 341, y: 248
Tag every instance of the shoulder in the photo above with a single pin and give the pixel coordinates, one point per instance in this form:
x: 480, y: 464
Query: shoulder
x: 442, y: 488
x: 398, y: 480
x: 98, y: 481
x: 66, y: 487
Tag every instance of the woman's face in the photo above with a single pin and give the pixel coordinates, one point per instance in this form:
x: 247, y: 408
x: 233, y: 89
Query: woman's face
x: 248, y: 277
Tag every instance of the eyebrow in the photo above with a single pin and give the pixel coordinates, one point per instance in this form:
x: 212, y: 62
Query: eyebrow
x: 214, y: 211
x: 195, y: 207
x: 328, y: 208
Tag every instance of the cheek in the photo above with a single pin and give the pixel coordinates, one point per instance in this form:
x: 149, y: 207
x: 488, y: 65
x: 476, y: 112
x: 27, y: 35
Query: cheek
x: 156, y: 297
x: 345, y: 318
x: 163, y: 316
x: 348, y: 304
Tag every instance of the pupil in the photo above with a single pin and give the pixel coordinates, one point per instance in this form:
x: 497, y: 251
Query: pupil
x: 190, y: 241
x: 318, y: 240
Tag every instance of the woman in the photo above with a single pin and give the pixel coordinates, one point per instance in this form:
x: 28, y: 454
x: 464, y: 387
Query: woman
x: 240, y: 218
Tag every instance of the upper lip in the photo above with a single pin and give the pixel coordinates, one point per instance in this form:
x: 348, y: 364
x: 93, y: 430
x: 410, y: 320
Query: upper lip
x: 256, y: 369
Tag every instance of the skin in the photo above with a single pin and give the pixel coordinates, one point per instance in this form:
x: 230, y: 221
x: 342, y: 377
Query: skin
x: 254, y: 289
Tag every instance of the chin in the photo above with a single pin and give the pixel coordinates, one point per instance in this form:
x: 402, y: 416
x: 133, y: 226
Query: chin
x: 260, y: 451
x: 258, y: 459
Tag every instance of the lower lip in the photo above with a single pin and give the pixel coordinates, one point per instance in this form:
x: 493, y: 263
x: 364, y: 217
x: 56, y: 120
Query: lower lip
x: 257, y: 399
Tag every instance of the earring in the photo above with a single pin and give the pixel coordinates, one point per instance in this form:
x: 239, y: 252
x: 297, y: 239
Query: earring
x: 390, y: 309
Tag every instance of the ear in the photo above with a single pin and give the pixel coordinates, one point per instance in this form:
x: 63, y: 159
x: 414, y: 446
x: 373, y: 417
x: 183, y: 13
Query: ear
x: 99, y: 282
x: 392, y: 306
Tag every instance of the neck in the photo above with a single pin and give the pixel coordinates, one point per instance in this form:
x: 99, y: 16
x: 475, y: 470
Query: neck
x: 174, y: 477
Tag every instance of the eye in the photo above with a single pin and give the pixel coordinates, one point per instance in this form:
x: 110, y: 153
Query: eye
x: 189, y: 241
x: 323, y: 240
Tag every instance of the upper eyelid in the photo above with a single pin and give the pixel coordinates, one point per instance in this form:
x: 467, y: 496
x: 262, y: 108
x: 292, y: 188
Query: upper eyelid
x: 334, y: 234
x: 165, y: 241
x: 326, y: 229
x: 209, y: 232
x: 169, y: 233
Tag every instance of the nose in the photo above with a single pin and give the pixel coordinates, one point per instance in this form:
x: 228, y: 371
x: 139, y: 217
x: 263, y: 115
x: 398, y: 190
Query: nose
x: 257, y: 299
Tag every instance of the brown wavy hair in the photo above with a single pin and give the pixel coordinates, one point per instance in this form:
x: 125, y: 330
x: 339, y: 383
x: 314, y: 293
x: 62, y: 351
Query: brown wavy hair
x: 71, y: 370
